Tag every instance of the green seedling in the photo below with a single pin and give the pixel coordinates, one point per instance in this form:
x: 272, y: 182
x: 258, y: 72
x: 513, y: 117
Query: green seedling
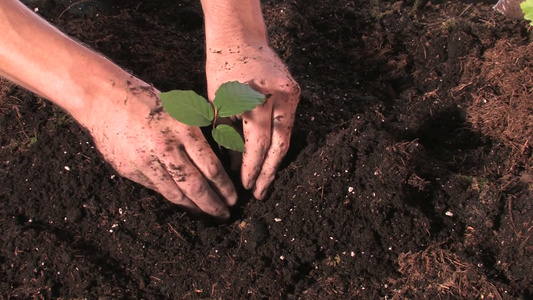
x: 527, y: 9
x: 231, y: 98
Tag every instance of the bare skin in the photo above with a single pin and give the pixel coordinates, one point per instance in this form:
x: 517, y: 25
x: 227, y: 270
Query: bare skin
x: 124, y: 114
x: 237, y: 49
x: 145, y: 145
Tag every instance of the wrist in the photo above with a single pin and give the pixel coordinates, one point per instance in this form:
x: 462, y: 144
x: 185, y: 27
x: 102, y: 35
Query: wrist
x: 38, y: 57
x: 100, y: 86
x: 233, y: 23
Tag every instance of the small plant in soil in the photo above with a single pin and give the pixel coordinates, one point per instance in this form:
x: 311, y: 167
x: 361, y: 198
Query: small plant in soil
x: 231, y: 99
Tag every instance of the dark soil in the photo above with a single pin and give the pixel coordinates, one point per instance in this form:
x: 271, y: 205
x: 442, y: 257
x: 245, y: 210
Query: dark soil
x: 410, y: 173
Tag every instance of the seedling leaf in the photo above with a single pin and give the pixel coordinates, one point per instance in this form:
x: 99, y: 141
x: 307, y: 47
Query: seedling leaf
x: 228, y: 137
x: 188, y: 107
x: 527, y: 9
x: 234, y: 98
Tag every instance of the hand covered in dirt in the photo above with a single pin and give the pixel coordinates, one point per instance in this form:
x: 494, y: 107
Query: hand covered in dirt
x: 123, y: 114
x: 267, y: 128
x: 144, y: 144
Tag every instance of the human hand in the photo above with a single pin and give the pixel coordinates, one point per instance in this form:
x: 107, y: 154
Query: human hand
x: 267, y: 128
x: 122, y: 113
x: 143, y: 143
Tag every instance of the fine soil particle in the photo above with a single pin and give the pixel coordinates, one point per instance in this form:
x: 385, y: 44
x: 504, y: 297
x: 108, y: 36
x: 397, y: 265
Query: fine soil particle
x: 410, y: 173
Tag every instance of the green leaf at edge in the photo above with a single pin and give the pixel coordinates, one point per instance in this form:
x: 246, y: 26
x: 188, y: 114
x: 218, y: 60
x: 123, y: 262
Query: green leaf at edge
x: 527, y: 9
x: 188, y: 107
x: 226, y: 136
x: 234, y: 98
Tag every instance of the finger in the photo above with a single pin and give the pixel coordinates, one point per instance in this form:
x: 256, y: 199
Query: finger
x: 257, y: 133
x: 163, y: 183
x: 192, y: 183
x: 281, y: 135
x: 142, y: 179
x: 209, y: 165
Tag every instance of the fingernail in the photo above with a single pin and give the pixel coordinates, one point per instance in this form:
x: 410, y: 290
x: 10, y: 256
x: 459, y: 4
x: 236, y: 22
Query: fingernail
x: 247, y: 184
x: 260, y: 195
x: 225, y: 215
x: 232, y: 200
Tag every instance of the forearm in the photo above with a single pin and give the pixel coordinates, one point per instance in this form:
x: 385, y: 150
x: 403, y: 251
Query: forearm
x: 40, y: 58
x: 233, y: 23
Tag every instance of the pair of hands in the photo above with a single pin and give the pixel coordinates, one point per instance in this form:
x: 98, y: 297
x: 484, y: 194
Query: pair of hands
x: 144, y: 144
x: 124, y: 114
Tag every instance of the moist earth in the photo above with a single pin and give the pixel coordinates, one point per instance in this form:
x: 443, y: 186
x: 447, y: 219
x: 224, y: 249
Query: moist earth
x: 410, y: 173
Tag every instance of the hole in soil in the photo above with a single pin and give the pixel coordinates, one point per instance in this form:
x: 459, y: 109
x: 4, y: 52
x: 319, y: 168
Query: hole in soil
x: 447, y: 136
x: 298, y: 143
x: 423, y: 200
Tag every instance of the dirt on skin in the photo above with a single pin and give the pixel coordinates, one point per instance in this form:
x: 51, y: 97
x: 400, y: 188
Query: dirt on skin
x: 409, y: 177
